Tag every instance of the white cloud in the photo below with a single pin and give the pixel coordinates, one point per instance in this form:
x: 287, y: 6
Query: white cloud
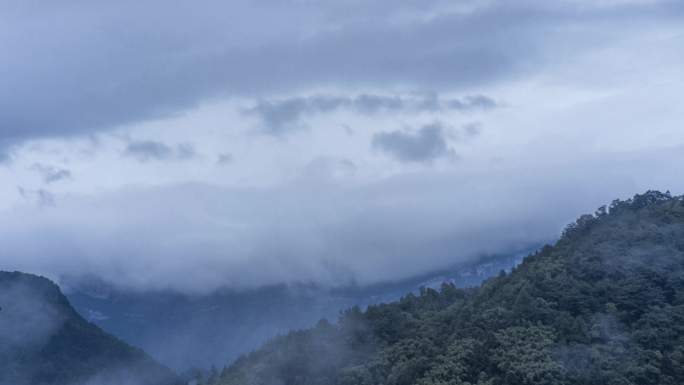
x: 588, y: 109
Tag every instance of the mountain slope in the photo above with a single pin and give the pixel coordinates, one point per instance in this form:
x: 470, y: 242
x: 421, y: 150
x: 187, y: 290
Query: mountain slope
x: 184, y: 331
x: 43, y: 341
x: 604, y: 305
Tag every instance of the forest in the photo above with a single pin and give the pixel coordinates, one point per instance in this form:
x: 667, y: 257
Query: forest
x: 604, y: 305
x: 44, y: 341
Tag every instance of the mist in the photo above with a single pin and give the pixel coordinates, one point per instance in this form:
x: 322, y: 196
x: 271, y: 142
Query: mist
x: 29, y: 317
x: 195, y: 238
x: 242, y: 145
x: 27, y: 320
x: 199, y: 178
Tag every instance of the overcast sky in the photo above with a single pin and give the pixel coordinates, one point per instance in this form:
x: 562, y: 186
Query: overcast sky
x: 191, y: 145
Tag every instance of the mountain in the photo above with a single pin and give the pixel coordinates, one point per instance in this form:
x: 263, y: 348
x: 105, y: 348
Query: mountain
x: 44, y: 341
x: 604, y: 305
x: 184, y: 331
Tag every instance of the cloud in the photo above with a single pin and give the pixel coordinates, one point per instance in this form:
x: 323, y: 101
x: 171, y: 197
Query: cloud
x: 5, y: 156
x: 51, y: 174
x: 330, y: 206
x: 147, y: 150
x: 331, y: 231
x: 27, y: 318
x: 472, y: 102
x: 224, y: 159
x: 327, y: 168
x: 472, y: 129
x: 427, y: 144
x: 138, y: 64
x: 283, y: 115
x: 41, y: 197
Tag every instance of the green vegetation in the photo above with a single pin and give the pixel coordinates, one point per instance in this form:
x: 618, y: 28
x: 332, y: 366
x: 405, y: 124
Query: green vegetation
x: 604, y: 306
x: 43, y: 341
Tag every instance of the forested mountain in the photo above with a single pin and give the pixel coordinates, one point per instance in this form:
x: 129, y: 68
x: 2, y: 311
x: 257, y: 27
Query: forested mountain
x: 185, y: 331
x: 604, y: 305
x: 43, y: 341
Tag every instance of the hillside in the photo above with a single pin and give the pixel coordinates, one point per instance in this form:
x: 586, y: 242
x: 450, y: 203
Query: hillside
x: 43, y: 341
x: 604, y: 305
x: 184, y: 331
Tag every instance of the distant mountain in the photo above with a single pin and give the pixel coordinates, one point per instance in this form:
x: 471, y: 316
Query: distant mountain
x: 198, y: 331
x: 603, y: 306
x: 44, y: 341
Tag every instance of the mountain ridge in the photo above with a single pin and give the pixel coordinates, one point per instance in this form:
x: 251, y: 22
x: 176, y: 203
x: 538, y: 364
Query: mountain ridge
x: 44, y: 341
x: 603, y: 305
x: 200, y: 331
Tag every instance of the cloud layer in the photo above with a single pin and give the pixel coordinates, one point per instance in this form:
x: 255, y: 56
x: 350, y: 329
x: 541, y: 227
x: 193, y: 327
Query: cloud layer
x: 188, y: 146
x: 146, y: 150
x: 79, y: 68
x: 197, y: 237
x: 280, y: 116
x: 428, y: 144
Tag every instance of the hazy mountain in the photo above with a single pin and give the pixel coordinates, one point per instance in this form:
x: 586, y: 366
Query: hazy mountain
x: 197, y: 331
x: 44, y: 341
x: 604, y: 305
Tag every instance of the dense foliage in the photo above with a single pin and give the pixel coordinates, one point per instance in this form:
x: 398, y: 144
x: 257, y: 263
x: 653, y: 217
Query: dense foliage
x: 43, y: 341
x: 604, y: 305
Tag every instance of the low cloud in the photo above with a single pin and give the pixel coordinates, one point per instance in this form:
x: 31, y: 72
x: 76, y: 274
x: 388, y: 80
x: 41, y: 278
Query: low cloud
x: 472, y: 103
x: 345, y: 219
x: 5, y: 156
x: 41, y: 197
x: 198, y: 237
x: 281, y: 116
x: 224, y: 159
x: 472, y: 129
x: 148, y: 150
x: 425, y: 145
x: 27, y: 318
x: 51, y: 174
x: 326, y: 168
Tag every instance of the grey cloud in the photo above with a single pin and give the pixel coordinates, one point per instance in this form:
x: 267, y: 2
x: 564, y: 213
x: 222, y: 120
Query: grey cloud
x: 326, y: 232
x: 348, y: 130
x: 51, y: 174
x: 472, y: 102
x: 185, y: 151
x: 225, y: 158
x: 137, y: 63
x: 326, y: 168
x: 5, y: 156
x: 40, y: 197
x: 370, y: 104
x: 472, y: 129
x: 147, y: 150
x: 427, y: 144
x: 466, y: 132
x: 283, y: 115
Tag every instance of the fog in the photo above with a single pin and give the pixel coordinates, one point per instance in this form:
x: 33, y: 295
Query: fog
x: 184, y: 147
x: 27, y: 320
x: 213, y: 156
x: 198, y: 237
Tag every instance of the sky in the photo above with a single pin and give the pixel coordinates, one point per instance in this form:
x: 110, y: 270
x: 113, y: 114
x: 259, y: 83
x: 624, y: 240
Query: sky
x: 190, y: 146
